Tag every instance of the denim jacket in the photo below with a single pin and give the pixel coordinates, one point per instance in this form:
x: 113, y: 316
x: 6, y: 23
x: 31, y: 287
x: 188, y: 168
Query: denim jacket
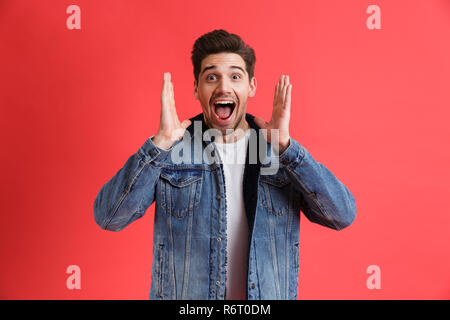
x: 190, y: 231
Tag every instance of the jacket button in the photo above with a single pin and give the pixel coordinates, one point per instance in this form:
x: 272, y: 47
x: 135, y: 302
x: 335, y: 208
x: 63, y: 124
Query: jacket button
x: 219, y: 239
x: 180, y: 179
x: 218, y: 283
x: 218, y: 196
x: 253, y: 286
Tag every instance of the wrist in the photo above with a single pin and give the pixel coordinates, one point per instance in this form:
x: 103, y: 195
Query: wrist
x: 162, y: 142
x: 283, y: 145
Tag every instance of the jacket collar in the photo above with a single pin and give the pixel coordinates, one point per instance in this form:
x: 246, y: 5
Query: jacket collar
x: 251, y: 171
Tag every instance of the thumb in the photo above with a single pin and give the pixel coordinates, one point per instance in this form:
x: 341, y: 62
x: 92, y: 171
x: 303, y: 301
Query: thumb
x: 178, y: 133
x: 186, y: 123
x: 261, y: 122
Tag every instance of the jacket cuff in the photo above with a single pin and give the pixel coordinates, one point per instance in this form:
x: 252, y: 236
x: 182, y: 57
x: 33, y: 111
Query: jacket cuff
x: 149, y: 152
x: 293, y: 154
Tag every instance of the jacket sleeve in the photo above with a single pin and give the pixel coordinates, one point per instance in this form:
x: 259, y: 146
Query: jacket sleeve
x: 131, y: 191
x: 323, y: 198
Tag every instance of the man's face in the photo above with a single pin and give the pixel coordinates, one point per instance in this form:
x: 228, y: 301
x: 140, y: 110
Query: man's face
x: 223, y: 89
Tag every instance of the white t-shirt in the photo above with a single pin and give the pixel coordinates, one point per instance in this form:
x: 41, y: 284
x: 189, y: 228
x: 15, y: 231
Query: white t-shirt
x: 233, y: 156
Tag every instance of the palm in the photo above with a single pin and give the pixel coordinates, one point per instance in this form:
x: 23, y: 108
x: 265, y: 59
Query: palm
x: 280, y: 113
x: 170, y: 126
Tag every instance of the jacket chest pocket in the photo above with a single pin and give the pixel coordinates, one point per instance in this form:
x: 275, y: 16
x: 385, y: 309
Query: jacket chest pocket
x: 180, y: 191
x: 276, y: 194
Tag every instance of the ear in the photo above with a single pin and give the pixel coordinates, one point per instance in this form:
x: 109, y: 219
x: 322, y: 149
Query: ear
x: 195, y: 89
x: 253, y: 86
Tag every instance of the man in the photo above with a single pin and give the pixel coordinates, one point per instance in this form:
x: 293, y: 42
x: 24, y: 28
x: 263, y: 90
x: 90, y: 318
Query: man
x: 224, y: 229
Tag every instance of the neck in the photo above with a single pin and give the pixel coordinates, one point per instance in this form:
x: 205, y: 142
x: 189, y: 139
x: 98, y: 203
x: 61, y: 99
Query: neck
x: 233, y: 135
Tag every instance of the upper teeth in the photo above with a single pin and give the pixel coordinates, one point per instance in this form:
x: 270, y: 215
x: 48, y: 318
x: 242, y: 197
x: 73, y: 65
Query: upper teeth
x: 224, y: 102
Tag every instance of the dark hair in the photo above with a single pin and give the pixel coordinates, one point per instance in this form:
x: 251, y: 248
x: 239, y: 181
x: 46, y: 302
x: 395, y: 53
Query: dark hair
x: 218, y: 41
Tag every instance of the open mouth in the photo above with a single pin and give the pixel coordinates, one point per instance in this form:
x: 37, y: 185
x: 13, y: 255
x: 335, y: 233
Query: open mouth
x: 223, y: 108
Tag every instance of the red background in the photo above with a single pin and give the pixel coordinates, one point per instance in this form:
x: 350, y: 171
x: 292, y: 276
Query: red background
x: 372, y: 105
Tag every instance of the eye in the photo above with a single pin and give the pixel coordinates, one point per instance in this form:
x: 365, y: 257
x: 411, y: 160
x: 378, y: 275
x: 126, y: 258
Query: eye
x: 210, y: 77
x: 236, y: 76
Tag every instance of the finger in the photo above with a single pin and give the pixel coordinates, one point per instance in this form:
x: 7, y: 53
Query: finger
x: 164, y: 86
x: 171, y: 91
x: 260, y: 122
x: 278, y: 88
x: 171, y: 94
x: 281, y: 83
x: 275, y: 96
x: 287, y: 104
x: 165, y: 96
x: 167, y: 78
x: 186, y: 123
x: 284, y: 89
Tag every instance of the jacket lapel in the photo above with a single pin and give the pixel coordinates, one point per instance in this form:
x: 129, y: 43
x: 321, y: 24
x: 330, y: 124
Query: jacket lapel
x: 251, y: 171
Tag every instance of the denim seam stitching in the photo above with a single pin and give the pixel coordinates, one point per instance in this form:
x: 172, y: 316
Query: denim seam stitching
x: 188, y: 242
x: 126, y: 192
x: 311, y: 195
x: 274, y: 257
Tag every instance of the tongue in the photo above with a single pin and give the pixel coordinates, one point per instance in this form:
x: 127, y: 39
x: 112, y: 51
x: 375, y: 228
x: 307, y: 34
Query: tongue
x: 223, y: 111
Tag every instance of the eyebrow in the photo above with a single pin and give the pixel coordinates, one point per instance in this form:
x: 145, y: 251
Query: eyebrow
x: 214, y: 67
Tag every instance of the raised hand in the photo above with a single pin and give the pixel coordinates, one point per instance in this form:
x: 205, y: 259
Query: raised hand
x: 170, y: 128
x: 281, y: 114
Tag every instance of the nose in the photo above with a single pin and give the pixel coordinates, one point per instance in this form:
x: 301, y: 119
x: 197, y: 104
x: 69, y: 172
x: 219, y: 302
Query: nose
x: 224, y: 87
